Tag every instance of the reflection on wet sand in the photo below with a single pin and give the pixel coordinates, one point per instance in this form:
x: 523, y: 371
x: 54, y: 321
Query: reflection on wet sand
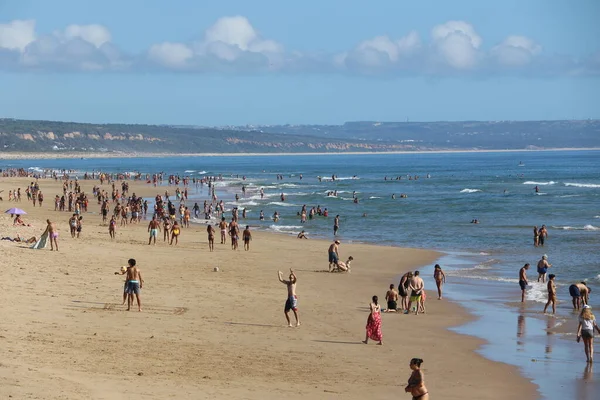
x: 521, y: 332
x: 586, y: 390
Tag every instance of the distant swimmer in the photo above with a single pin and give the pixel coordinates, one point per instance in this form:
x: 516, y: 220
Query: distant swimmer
x: 542, y: 268
x: 393, y: 196
x: 523, y: 280
x: 537, y: 189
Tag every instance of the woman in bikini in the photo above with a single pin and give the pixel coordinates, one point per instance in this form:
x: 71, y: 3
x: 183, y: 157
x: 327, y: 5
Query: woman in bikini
x: 374, y: 323
x: 440, y: 279
x: 175, y: 233
x: 416, y: 382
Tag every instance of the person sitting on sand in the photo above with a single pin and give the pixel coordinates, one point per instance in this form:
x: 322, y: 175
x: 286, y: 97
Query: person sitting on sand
x: 392, y: 299
x: 343, y: 266
x: 585, y: 330
x: 302, y: 235
x: 416, y: 382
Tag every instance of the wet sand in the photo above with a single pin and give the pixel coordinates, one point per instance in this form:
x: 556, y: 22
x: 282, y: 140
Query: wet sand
x: 205, y: 334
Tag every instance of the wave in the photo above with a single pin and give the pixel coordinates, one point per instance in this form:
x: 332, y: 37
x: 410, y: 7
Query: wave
x: 541, y: 194
x: 570, y: 195
x: 597, y: 216
x: 575, y: 228
x: 537, y: 291
x: 243, y: 203
x: 187, y: 171
x: 538, y: 183
x: 470, y: 190
x: 597, y: 277
x: 292, y: 229
x: 282, y: 204
x: 201, y: 172
x: 583, y: 185
x: 374, y: 197
x: 289, y: 185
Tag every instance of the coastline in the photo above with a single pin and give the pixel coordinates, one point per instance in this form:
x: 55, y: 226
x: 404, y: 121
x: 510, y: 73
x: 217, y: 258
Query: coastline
x: 49, y: 156
x: 324, y: 337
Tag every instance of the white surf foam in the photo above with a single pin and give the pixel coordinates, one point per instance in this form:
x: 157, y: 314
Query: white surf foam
x: 582, y: 185
x: 187, y: 171
x: 537, y: 291
x: 282, y: 204
x: 538, y: 183
x: 286, y: 228
x: 576, y: 228
x: 541, y: 194
x: 201, y: 172
x: 470, y: 190
x: 374, y: 197
x: 570, y: 195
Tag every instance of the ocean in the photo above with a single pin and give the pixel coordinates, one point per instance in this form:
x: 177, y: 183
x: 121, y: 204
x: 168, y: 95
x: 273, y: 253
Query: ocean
x: 452, y: 189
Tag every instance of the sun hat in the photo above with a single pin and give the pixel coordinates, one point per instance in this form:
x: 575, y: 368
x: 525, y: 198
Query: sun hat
x: 545, y: 257
x: 586, y: 306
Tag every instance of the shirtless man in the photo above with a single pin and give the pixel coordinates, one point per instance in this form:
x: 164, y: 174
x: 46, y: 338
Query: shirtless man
x: 153, y: 228
x: 336, y: 225
x: 211, y: 237
x: 542, y: 268
x: 392, y: 299
x: 580, y: 294
x: 523, y: 280
x: 551, y: 294
x: 52, y: 234
x: 234, y: 230
x: 334, y: 256
x: 134, y: 283
x: 186, y: 218
x: 292, y: 300
x: 416, y: 288
x: 247, y: 236
x: 223, y: 227
x: 542, y: 235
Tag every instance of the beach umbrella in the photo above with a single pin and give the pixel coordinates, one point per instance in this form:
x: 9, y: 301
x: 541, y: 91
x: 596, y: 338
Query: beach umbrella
x: 15, y: 211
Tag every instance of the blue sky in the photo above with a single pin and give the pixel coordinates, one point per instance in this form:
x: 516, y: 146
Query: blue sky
x: 274, y: 62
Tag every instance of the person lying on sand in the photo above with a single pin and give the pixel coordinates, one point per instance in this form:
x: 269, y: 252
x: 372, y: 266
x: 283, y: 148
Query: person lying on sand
x: 18, y: 239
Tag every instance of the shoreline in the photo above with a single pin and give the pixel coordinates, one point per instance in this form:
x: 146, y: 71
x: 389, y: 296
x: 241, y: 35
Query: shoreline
x: 74, y: 155
x: 447, y: 381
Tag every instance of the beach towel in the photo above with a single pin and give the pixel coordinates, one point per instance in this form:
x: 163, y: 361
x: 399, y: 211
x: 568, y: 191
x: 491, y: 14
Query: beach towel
x: 42, y: 242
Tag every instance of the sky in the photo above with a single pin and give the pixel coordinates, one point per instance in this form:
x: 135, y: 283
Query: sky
x: 194, y: 62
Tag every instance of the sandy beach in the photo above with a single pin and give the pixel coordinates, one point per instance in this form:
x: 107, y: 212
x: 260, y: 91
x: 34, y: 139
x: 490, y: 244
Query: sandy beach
x: 213, y: 335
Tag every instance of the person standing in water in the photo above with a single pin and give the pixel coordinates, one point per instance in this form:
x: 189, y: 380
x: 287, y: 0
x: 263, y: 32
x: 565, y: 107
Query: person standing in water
x: 551, y: 294
x: 416, y: 382
x: 585, y: 331
x: 542, y: 268
x: 374, y: 323
x: 292, y: 300
x: 336, y: 225
x: 440, y: 279
x: 523, y: 280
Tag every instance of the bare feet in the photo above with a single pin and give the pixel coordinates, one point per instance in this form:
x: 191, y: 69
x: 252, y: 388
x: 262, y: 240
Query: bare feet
x: 380, y: 344
x: 365, y: 341
x: 290, y: 325
x: 298, y: 324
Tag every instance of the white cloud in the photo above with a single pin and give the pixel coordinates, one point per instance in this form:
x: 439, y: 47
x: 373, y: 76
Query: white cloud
x: 94, y: 34
x: 515, y: 51
x: 17, y: 34
x: 457, y: 43
x: 175, y: 55
x: 233, y: 45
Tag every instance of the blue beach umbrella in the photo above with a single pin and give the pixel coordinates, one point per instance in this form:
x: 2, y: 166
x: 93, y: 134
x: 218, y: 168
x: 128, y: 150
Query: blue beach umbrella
x: 15, y: 211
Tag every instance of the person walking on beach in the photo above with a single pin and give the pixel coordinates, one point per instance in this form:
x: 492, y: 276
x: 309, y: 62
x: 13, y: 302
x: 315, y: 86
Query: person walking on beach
x: 440, y: 279
x: 247, y: 237
x: 374, y: 323
x: 334, y: 256
x: 416, y: 289
x: 153, y: 228
x: 166, y: 229
x: 551, y: 294
x: 175, y: 231
x: 134, y: 284
x: 292, y: 300
x: 542, y: 268
x: 112, y: 227
x: 523, y: 280
x: 585, y: 331
x: 211, y: 237
x: 392, y: 299
x: 223, y: 227
x: 416, y: 382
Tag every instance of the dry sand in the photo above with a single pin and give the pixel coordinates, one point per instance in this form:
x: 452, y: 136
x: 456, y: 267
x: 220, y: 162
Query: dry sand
x: 217, y: 335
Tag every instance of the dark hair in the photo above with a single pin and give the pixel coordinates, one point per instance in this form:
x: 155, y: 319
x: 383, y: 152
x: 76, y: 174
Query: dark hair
x: 375, y: 299
x: 416, y: 273
x: 131, y: 262
x: 247, y: 226
x: 437, y: 266
x: 551, y: 276
x: 416, y: 361
x: 391, y: 286
x: 526, y: 265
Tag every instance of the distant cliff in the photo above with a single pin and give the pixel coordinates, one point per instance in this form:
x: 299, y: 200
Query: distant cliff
x: 53, y: 137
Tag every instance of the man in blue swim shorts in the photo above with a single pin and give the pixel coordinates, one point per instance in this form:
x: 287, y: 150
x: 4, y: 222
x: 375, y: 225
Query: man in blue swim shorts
x: 334, y: 256
x: 153, y: 228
